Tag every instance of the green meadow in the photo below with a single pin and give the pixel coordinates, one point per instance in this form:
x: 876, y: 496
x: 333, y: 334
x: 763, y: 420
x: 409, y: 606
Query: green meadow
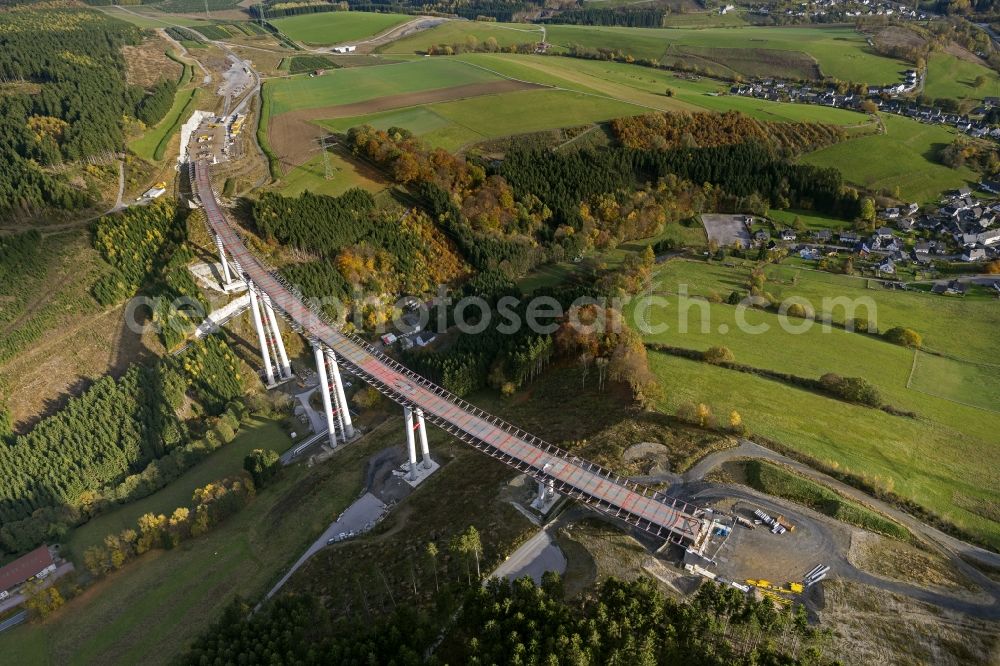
x: 256, y: 433
x: 904, y: 157
x: 840, y: 52
x: 948, y: 76
x: 359, y: 84
x: 452, y: 125
x: 336, y: 27
x: 930, y: 458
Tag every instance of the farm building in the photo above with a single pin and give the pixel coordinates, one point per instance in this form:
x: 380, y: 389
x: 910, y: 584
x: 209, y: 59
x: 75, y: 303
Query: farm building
x: 345, y: 49
x: 36, y: 564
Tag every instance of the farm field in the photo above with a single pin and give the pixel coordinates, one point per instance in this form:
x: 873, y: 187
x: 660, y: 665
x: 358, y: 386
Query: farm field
x: 164, y: 599
x: 949, y: 76
x: 325, y: 28
x: 642, y: 85
x: 255, y: 433
x: 452, y: 125
x: 927, y: 458
x: 979, y: 320
x: 455, y: 101
x: 903, y: 157
x: 700, y: 19
x: 810, y: 219
x: 352, y: 85
x: 840, y: 52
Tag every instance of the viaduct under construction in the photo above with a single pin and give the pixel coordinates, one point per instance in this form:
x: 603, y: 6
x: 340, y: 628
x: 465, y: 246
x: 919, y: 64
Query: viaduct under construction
x: 652, y: 512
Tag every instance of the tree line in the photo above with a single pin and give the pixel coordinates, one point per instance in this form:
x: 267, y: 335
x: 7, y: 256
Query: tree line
x: 670, y: 131
x: 212, y: 504
x: 98, y: 448
x: 651, y: 17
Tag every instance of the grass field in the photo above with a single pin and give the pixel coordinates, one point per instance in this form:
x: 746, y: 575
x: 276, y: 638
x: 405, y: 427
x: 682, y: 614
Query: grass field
x: 931, y: 459
x: 840, y: 52
x: 452, y: 125
x: 948, y: 76
x: 256, y: 433
x: 152, y: 608
x: 351, y: 85
x: 326, y: 28
x: 587, y: 92
x: 149, y: 144
x: 969, y: 383
x: 810, y: 219
x: 642, y: 85
x: 903, y: 157
x: 978, y: 320
x: 607, y: 90
x: 931, y: 464
x: 311, y: 176
x: 702, y: 20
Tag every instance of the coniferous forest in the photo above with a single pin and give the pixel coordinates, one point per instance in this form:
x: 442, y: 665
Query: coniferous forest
x: 64, y: 99
x: 72, y: 462
x: 520, y: 623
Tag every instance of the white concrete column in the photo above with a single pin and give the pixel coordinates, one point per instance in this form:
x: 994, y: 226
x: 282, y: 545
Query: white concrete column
x: 227, y: 276
x: 324, y: 387
x: 338, y: 404
x: 338, y: 385
x: 261, y: 335
x: 286, y: 368
x: 425, y: 453
x: 541, y: 491
x: 411, y: 445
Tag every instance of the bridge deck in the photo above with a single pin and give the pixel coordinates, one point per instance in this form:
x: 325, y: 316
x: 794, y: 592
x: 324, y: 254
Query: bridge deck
x: 650, y: 511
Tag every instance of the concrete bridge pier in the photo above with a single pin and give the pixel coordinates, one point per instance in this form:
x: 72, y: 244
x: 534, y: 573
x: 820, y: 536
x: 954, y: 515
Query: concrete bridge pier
x: 425, y: 453
x: 282, y: 357
x: 227, y: 275
x: 261, y: 335
x: 324, y: 387
x: 346, y: 426
x: 411, y: 446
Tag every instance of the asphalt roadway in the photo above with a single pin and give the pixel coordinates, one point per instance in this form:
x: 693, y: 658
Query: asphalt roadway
x: 535, y: 556
x: 356, y: 518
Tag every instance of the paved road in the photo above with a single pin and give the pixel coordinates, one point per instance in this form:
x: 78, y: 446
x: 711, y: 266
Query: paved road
x: 535, y: 556
x: 13, y: 621
x: 356, y: 518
